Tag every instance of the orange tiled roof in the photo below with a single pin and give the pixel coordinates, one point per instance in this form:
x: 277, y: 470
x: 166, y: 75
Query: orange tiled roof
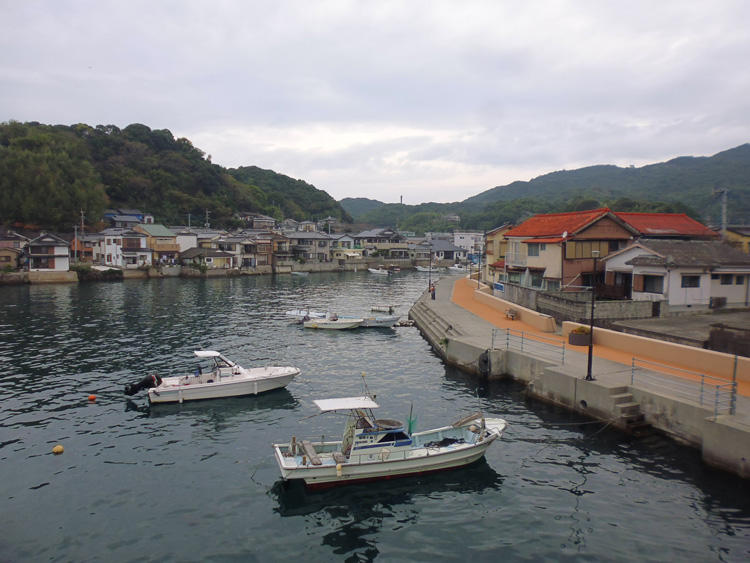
x: 555, y: 224
x: 666, y: 224
x: 498, y: 264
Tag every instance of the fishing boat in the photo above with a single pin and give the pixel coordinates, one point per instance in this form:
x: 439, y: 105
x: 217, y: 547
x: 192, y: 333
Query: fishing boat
x: 333, y: 323
x: 221, y: 378
x: 373, y: 449
x: 379, y: 271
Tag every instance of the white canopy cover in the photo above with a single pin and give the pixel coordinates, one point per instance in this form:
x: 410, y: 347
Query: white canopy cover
x: 345, y: 403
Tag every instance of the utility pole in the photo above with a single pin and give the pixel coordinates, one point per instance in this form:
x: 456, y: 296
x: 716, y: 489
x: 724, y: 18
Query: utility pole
x: 75, y: 243
x: 82, y: 227
x: 207, y: 224
x: 188, y: 221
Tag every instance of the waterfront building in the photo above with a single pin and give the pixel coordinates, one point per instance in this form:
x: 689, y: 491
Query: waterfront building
x: 683, y: 274
x: 495, y: 247
x: 161, y: 240
x: 48, y: 253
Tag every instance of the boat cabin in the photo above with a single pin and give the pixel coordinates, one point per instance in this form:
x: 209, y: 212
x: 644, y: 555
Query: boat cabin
x: 362, y: 430
x: 218, y: 365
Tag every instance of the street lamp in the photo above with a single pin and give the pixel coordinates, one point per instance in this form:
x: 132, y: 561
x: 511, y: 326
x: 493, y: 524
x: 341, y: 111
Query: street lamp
x: 589, y: 377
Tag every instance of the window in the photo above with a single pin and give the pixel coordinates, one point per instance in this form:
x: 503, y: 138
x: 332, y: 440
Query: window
x: 691, y: 281
x: 715, y: 276
x: 727, y: 279
x: 533, y: 249
x: 653, y: 284
x: 739, y: 280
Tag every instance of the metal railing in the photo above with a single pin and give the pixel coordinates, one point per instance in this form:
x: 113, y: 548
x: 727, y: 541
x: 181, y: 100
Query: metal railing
x: 706, y: 390
x: 532, y: 344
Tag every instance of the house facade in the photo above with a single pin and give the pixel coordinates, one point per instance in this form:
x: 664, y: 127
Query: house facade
x: 48, y: 252
x: 162, y: 242
x: 683, y: 274
x: 556, y: 251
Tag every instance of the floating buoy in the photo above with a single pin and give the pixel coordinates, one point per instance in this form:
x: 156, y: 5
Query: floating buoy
x: 92, y: 398
x: 58, y: 449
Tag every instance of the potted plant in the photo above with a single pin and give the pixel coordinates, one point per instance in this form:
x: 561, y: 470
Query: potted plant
x: 579, y: 336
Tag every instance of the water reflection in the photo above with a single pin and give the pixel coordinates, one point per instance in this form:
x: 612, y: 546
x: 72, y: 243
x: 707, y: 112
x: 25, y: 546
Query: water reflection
x: 355, y: 514
x: 227, y: 408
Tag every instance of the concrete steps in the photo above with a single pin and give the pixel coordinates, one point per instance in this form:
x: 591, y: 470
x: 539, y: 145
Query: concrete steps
x: 629, y: 415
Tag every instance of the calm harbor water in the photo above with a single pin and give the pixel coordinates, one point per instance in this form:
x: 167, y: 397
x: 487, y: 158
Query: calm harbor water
x: 198, y: 482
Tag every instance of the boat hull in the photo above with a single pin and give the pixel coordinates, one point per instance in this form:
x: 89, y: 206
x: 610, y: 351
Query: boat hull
x: 327, y: 324
x: 383, y: 464
x: 253, y: 382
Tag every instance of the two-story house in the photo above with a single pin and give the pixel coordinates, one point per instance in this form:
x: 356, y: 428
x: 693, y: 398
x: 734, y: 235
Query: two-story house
x: 310, y: 246
x: 495, y: 246
x: 385, y: 242
x: 12, y: 247
x: 48, y: 252
x: 162, y: 242
x: 555, y: 251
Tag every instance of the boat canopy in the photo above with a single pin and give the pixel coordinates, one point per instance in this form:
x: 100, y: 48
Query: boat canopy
x: 345, y: 403
x: 207, y: 354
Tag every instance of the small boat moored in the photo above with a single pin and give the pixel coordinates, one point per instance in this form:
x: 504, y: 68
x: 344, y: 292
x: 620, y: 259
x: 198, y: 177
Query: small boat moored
x: 379, y: 271
x: 223, y: 379
x: 374, y: 449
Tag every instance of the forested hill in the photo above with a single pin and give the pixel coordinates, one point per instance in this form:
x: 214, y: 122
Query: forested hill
x: 49, y: 173
x: 682, y: 185
x: 296, y: 198
x: 359, y: 206
x: 686, y: 179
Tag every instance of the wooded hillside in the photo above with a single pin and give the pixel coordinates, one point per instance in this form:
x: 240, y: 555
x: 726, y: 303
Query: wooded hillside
x: 681, y: 185
x: 49, y: 173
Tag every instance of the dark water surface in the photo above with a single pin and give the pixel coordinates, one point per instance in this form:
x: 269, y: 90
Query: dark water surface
x: 198, y: 482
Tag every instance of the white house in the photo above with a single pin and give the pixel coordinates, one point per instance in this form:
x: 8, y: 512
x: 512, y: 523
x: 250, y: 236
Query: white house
x: 47, y: 253
x: 683, y: 273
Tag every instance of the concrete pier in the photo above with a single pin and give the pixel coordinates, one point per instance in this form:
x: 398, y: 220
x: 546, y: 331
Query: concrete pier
x: 466, y: 336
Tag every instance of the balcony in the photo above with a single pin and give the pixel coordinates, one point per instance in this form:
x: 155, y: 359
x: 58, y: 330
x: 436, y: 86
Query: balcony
x: 166, y: 247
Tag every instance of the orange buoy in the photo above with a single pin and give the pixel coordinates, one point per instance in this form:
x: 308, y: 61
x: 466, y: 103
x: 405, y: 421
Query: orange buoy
x: 92, y: 398
x: 58, y: 449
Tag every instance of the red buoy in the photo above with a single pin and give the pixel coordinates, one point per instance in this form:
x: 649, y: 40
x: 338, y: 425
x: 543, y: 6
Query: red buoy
x: 92, y: 398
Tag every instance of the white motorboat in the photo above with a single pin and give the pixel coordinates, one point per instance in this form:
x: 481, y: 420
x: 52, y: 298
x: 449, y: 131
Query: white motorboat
x: 458, y: 268
x: 300, y: 314
x: 333, y: 323
x: 223, y: 378
x: 374, y: 449
x: 424, y: 269
x: 296, y: 273
x: 379, y: 271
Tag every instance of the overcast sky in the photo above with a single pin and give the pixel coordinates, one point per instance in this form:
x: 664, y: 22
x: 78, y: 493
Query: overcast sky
x: 432, y: 101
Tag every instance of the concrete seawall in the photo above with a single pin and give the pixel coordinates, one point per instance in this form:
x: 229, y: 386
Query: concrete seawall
x: 465, y: 341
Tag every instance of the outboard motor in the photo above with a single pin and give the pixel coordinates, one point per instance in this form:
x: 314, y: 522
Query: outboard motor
x: 146, y: 383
